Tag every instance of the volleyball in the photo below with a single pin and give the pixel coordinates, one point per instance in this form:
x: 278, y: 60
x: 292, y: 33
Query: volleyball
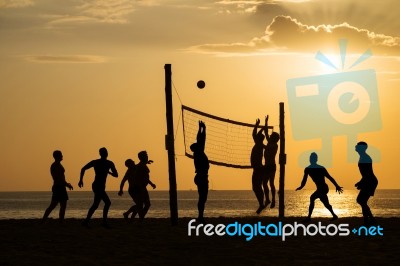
x: 201, y: 84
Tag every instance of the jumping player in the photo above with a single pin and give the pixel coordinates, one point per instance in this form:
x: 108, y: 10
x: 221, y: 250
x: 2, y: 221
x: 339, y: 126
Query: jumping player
x: 270, y: 166
x: 256, y: 163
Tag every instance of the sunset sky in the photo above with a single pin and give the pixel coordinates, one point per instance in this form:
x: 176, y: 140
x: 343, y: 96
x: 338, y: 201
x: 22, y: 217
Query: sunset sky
x: 78, y: 75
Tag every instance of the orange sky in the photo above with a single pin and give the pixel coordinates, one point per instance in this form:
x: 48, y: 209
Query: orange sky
x: 80, y: 75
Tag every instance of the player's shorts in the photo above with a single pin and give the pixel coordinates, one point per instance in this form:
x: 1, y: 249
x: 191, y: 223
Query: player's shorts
x: 59, y: 193
x: 201, y: 180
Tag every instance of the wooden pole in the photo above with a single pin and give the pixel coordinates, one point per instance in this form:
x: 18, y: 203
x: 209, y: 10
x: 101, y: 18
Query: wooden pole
x: 282, y: 161
x: 170, y: 146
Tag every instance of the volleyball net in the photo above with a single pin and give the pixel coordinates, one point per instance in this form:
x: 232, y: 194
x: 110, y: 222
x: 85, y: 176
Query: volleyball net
x: 228, y: 142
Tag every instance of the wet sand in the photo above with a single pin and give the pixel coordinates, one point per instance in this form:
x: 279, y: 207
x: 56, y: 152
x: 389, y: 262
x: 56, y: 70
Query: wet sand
x: 155, y: 241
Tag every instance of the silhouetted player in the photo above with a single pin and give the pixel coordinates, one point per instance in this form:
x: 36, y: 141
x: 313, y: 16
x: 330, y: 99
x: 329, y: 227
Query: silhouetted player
x: 368, y: 182
x: 102, y: 167
x: 270, y: 166
x: 129, y: 176
x: 318, y: 174
x: 59, y: 190
x: 201, y: 165
x: 140, y: 182
x: 256, y: 163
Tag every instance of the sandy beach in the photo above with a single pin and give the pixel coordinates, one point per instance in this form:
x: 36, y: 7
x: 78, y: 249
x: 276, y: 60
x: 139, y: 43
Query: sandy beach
x: 28, y: 242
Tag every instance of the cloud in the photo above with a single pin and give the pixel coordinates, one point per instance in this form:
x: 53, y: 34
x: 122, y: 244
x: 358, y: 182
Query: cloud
x: 109, y: 11
x: 67, y: 19
x: 149, y: 2
x: 94, y: 11
x: 250, y: 6
x: 15, y: 3
x: 65, y: 58
x: 239, y: 6
x: 286, y: 34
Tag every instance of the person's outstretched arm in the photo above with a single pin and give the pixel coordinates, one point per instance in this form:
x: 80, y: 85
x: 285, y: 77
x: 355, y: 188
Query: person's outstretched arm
x: 121, y: 186
x: 266, y: 128
x: 113, y: 170
x: 69, y: 186
x: 339, y: 189
x: 86, y: 167
x: 255, y: 129
x: 152, y: 184
x: 201, y: 136
x: 304, y: 181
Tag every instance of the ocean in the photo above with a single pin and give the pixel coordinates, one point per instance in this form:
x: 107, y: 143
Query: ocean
x: 29, y: 205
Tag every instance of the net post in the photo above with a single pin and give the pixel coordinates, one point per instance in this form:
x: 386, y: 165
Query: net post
x: 169, y: 144
x: 282, y: 160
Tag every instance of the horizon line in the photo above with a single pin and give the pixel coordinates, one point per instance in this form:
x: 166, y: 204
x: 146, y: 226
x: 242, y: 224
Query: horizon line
x: 165, y: 190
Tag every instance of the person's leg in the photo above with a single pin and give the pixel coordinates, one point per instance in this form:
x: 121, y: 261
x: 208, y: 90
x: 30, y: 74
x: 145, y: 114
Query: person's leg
x: 139, y: 205
x: 146, y: 202
x: 271, y: 179
x: 63, y: 207
x: 324, y: 199
x: 107, y: 204
x: 130, y: 210
x: 203, y: 193
x: 265, y: 178
x: 133, y: 210
x: 362, y: 199
x: 313, y: 197
x: 256, y: 181
x: 139, y: 209
x: 49, y: 209
x: 93, y: 208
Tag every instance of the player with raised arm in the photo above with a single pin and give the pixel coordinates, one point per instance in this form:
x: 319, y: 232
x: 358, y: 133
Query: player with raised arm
x: 202, y: 166
x: 270, y: 166
x: 256, y: 163
x: 318, y: 174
